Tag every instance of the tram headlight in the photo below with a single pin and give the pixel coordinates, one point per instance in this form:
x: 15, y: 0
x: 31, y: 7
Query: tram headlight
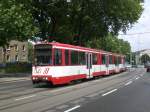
x: 33, y: 78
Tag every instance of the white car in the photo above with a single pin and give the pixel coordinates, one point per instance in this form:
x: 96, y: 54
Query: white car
x: 128, y: 65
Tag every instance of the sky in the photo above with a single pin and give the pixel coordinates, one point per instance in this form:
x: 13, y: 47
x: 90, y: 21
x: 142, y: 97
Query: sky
x: 140, y: 41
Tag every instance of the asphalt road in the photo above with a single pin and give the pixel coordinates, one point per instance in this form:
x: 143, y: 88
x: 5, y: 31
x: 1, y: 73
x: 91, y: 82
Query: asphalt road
x: 125, y: 92
x: 132, y: 97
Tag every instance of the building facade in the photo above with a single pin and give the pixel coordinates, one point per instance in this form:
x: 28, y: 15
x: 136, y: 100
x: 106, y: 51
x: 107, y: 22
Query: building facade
x: 139, y: 54
x: 16, y: 51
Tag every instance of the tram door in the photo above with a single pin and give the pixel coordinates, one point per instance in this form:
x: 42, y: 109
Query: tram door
x: 89, y: 65
x: 107, y: 64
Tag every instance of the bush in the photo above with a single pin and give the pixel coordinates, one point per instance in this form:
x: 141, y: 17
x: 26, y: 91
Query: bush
x: 2, y: 68
x: 19, y: 67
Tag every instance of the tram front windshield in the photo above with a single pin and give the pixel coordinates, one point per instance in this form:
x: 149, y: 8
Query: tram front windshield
x: 42, y: 55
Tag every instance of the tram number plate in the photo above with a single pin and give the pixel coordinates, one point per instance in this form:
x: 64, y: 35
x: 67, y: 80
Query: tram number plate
x: 37, y: 70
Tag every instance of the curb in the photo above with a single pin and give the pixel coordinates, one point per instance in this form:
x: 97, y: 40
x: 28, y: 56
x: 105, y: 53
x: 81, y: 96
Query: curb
x: 14, y: 79
x: 16, y: 75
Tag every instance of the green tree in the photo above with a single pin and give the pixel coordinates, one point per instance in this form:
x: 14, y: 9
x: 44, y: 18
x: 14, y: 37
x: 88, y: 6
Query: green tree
x: 111, y: 43
x: 145, y: 58
x: 16, y: 22
x: 82, y: 20
x: 76, y: 22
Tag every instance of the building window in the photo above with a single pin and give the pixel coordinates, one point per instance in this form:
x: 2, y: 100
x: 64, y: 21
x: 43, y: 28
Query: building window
x: 7, y: 47
x: 16, y: 58
x: 24, y: 57
x: 8, y: 58
x: 3, y: 50
x: 58, y: 57
x: 16, y: 47
x: 23, y: 47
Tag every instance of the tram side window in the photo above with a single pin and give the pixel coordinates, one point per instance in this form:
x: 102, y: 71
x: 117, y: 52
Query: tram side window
x: 58, y: 57
x: 116, y: 61
x: 110, y: 60
x: 120, y: 60
x: 67, y: 57
x: 74, y: 57
x: 81, y: 58
x: 103, y: 59
x: 94, y: 59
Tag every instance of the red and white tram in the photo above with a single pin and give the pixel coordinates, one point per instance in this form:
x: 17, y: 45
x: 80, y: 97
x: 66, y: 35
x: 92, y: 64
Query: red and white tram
x: 58, y: 63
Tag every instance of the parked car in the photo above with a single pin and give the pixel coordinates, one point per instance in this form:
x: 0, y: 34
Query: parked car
x: 128, y: 65
x: 140, y: 66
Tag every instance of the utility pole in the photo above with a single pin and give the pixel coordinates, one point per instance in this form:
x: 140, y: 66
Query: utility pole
x: 131, y: 58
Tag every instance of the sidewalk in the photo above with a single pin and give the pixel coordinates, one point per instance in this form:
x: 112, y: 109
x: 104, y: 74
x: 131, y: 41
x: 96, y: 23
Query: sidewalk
x: 10, y: 77
x: 6, y: 80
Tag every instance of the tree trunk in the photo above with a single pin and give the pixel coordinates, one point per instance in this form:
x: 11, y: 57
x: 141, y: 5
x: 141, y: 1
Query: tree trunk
x: 4, y: 58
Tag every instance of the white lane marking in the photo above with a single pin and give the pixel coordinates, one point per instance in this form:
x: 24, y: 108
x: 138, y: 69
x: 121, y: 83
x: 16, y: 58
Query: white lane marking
x: 128, y: 83
x: 73, y: 108
x: 109, y: 92
x: 26, y: 97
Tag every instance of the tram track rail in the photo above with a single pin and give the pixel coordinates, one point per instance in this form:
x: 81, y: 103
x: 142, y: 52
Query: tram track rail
x: 11, y: 105
x: 47, y: 88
